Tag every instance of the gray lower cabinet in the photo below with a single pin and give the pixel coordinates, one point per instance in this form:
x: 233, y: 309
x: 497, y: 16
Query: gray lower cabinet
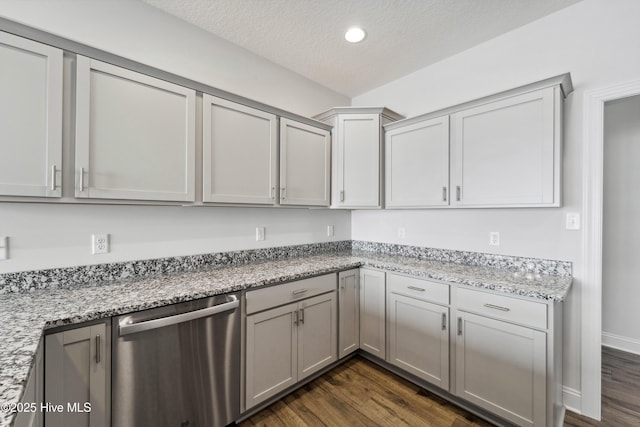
x: 77, y: 376
x: 418, y: 328
x: 502, y: 358
x: 372, y: 312
x: 287, y: 343
x: 32, y: 397
x: 348, y: 312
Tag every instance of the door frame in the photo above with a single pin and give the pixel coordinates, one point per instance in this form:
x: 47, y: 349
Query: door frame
x: 592, y: 208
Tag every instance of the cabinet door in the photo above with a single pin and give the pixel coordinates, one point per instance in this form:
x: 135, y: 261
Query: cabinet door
x: 417, y: 164
x: 239, y: 151
x: 419, y: 338
x: 135, y: 135
x: 372, y: 312
x: 358, y: 160
x: 317, y: 334
x: 304, y: 164
x: 508, y: 151
x: 77, y: 372
x: 30, y: 118
x: 348, y: 312
x: 502, y: 368
x: 272, y: 349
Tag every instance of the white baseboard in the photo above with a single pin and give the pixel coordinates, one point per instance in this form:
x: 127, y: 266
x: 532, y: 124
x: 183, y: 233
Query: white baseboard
x: 572, y: 399
x: 630, y: 345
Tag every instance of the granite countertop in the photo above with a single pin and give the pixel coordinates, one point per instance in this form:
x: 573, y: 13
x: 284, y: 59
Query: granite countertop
x: 24, y: 316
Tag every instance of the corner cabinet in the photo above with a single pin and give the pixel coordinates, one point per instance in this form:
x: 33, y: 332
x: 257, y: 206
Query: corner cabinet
x: 372, y: 312
x: 305, y: 153
x: 78, y: 376
x: 357, y: 155
x: 239, y: 153
x: 30, y: 118
x: 348, y: 312
x: 135, y: 135
x: 287, y: 343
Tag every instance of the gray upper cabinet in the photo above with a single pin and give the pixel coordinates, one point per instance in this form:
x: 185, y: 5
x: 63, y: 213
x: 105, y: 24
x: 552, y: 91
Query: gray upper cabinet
x: 135, y: 135
x: 239, y: 153
x: 30, y: 118
x: 304, y: 164
x: 417, y: 164
x: 357, y: 155
x: 507, y: 152
x: 503, y: 150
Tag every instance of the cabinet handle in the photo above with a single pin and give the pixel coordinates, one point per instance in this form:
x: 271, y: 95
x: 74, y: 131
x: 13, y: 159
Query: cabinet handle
x: 97, y: 349
x: 299, y: 291
x: 53, y: 178
x: 302, y: 316
x: 444, y: 321
x: 459, y: 325
x: 497, y: 307
x: 342, y: 285
x: 273, y: 193
x: 342, y: 195
x: 415, y: 288
x: 444, y: 194
x: 81, y: 180
x: 458, y: 193
x: 295, y: 318
x: 283, y: 193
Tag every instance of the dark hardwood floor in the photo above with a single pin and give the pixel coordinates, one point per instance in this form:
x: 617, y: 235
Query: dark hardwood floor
x: 620, y: 392
x: 359, y: 393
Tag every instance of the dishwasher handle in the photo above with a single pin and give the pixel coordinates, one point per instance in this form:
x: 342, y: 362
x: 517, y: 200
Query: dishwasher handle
x: 131, y: 328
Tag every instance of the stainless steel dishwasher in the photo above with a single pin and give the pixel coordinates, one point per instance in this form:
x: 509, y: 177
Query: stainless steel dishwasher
x: 178, y: 365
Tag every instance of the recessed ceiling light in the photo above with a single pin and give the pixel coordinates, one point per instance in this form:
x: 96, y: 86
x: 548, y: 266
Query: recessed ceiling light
x: 355, y: 35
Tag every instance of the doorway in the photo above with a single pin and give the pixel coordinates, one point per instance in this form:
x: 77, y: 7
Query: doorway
x: 592, y: 238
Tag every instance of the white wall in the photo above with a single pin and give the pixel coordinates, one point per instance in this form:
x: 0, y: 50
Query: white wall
x: 50, y: 235
x: 621, y: 230
x: 595, y: 40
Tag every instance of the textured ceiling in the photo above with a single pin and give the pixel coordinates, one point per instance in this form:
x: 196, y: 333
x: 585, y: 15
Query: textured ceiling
x: 307, y: 36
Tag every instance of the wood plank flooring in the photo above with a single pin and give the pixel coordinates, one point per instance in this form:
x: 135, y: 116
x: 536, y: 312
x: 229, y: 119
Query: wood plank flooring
x: 620, y: 392
x: 360, y: 393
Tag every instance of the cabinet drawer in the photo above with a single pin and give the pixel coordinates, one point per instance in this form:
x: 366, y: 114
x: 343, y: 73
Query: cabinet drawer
x: 421, y: 289
x: 262, y: 299
x: 515, y: 310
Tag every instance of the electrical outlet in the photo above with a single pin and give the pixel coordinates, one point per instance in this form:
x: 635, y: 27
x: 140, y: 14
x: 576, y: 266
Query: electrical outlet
x: 329, y: 230
x: 4, y: 247
x: 572, y: 221
x: 494, y: 238
x: 99, y: 244
x: 402, y: 233
x: 259, y: 234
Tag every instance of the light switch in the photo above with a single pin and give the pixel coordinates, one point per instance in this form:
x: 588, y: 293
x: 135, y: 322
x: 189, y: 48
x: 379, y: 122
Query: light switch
x: 573, y: 221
